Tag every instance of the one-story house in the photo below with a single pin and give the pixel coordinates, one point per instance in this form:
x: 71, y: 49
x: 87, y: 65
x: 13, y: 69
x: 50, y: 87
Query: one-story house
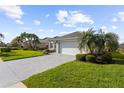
x: 66, y: 44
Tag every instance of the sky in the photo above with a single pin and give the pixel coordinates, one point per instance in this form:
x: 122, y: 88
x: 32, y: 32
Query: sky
x: 50, y: 21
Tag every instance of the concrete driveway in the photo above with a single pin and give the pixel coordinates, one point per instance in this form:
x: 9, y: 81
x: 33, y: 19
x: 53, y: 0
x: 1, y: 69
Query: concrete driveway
x: 15, y: 71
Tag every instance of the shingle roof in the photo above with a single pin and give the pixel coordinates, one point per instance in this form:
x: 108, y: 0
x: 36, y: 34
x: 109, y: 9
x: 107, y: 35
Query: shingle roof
x: 45, y: 40
x: 67, y: 36
x: 71, y: 35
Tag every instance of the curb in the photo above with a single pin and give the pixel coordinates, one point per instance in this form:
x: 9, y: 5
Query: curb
x: 17, y: 85
x: 1, y: 60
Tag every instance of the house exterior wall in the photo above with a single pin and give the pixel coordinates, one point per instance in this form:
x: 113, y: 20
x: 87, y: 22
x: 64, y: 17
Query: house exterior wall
x: 52, y: 45
x: 57, y: 47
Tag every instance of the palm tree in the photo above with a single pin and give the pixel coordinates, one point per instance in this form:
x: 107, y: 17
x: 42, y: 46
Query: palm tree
x: 99, y: 42
x: 87, y: 40
x: 99, y: 39
x: 106, y: 42
x: 111, y: 41
x: 26, y: 40
x: 35, y: 41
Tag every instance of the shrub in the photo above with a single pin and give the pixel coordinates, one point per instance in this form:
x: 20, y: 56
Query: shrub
x: 118, y: 61
x: 46, y: 51
x: 90, y: 58
x: 98, y: 59
x: 51, y: 51
x: 80, y: 57
x: 117, y: 55
x: 5, y: 49
x: 25, y: 48
x: 107, y: 58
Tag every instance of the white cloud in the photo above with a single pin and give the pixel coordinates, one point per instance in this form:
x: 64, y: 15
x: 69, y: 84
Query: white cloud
x: 121, y: 40
x: 114, y: 27
x: 8, y: 36
x: 19, y: 22
x: 47, y: 15
x: 121, y: 16
x: 13, y: 12
x: 26, y: 28
x: 68, y: 25
x: 63, y: 33
x: 71, y: 18
x: 37, y: 22
x: 104, y: 28
x: 51, y: 30
x: 5, y: 33
x: 41, y: 30
x: 61, y: 15
x: 81, y: 29
x: 114, y: 19
x: 47, y: 30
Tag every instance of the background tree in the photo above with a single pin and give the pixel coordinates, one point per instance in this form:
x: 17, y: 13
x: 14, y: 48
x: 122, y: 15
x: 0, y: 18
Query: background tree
x: 17, y: 42
x: 26, y: 41
x: 1, y: 37
x: 1, y: 43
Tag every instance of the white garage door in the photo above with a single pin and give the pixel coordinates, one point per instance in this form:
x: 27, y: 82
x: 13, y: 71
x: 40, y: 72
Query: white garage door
x: 69, y: 47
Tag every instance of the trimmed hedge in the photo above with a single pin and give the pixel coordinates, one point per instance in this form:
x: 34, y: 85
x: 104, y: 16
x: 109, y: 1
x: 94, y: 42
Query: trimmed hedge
x: 81, y: 57
x: 107, y: 58
x: 5, y: 49
x: 117, y: 55
x: 118, y: 61
x: 26, y: 48
x: 90, y: 58
x: 46, y: 51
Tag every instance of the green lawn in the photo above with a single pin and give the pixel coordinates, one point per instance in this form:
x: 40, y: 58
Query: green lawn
x: 18, y: 54
x: 79, y: 75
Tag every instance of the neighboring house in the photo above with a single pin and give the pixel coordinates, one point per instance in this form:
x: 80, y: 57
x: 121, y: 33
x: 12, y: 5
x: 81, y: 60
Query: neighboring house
x: 122, y: 46
x: 67, y: 44
x: 44, y: 43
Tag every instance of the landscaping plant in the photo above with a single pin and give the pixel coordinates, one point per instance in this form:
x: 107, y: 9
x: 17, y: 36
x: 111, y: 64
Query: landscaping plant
x: 99, y: 44
x: 80, y: 57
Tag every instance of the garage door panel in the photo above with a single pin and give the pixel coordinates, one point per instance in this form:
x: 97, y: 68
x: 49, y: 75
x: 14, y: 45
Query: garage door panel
x: 69, y: 47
